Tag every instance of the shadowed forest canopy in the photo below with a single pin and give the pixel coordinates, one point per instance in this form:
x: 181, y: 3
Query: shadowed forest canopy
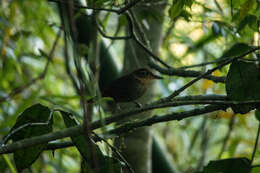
x: 124, y: 86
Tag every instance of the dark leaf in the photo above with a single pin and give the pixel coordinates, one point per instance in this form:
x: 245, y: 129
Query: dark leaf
x: 186, y: 15
x: 233, y: 165
x: 249, y: 20
x: 257, y: 115
x: 86, y: 149
x: 236, y: 50
x: 243, y: 83
x: 23, y: 33
x: 34, y: 114
x: 188, y: 3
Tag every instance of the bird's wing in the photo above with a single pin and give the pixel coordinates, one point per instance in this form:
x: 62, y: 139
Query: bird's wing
x: 119, y: 89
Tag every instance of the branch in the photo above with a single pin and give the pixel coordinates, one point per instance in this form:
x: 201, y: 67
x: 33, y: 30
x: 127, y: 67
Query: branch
x: 186, y: 73
x: 128, y: 6
x: 29, y: 142
x: 18, y: 129
x: 165, y: 118
x: 227, y: 61
x: 210, y: 62
x: 113, y: 37
x: 201, y: 64
x: 59, y: 145
x: 146, y: 49
x: 77, y: 130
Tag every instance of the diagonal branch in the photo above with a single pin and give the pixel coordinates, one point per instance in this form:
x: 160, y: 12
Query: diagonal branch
x: 186, y: 73
x: 165, y: 118
x: 78, y: 130
x: 224, y: 63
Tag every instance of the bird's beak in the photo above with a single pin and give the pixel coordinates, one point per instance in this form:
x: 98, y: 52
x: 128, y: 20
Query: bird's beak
x: 153, y: 76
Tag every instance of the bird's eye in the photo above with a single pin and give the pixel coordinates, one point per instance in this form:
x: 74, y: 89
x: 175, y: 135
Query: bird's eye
x: 143, y: 73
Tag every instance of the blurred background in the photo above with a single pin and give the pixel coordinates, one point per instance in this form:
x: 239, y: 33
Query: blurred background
x: 201, y: 31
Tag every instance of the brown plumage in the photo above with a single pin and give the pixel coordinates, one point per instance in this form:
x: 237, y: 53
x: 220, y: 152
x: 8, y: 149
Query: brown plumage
x: 130, y: 87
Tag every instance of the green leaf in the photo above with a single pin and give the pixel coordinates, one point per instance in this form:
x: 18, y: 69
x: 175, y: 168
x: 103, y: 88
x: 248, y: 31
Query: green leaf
x: 79, y: 141
x: 250, y: 20
x: 176, y: 8
x: 186, y: 15
x: 243, y: 83
x: 86, y: 149
x: 233, y: 165
x: 34, y: 114
x: 236, y: 50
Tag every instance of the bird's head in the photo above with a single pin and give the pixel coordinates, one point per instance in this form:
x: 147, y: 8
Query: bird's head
x: 145, y: 75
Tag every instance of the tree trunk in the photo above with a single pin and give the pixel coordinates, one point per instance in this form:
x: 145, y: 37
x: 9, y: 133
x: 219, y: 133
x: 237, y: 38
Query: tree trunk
x: 136, y: 146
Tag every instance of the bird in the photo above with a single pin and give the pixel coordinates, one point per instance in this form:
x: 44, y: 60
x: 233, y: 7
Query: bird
x: 130, y: 87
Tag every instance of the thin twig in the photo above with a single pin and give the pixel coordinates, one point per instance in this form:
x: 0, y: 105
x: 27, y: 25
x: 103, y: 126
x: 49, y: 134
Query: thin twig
x: 113, y: 37
x: 201, y: 64
x: 230, y: 128
x: 177, y: 92
x: 185, y: 73
x: 204, y: 146
x: 255, y: 146
x: 128, y: 6
x: 196, y: 134
x: 209, y: 63
x: 231, y: 8
x: 218, y: 6
x: 116, y: 152
x: 146, y: 49
x: 18, y: 129
x: 138, y: 29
